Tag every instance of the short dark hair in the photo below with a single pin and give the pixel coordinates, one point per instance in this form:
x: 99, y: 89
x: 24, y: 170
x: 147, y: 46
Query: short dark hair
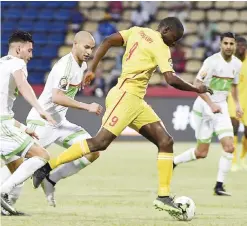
x: 20, y: 36
x: 241, y: 39
x: 174, y: 23
x: 227, y: 35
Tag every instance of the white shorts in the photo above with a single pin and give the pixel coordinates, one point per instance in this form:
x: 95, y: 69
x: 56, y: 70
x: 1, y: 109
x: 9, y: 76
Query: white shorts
x: 64, y: 134
x: 208, y: 124
x: 13, y: 142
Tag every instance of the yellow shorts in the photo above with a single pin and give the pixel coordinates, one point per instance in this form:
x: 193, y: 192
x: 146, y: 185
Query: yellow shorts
x: 124, y: 109
x: 232, y: 108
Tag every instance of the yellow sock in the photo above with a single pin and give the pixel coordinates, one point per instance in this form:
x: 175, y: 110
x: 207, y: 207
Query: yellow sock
x: 165, y: 169
x: 244, y: 147
x: 74, y: 152
x: 235, y: 140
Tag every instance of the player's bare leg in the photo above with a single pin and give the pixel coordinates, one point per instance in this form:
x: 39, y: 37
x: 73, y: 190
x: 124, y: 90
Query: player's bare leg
x: 235, y: 125
x: 243, y: 154
x: 224, y: 165
x: 98, y: 143
x: 157, y: 134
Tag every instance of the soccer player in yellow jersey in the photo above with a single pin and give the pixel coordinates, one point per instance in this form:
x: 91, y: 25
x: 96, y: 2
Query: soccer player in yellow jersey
x: 241, y: 53
x: 145, y: 50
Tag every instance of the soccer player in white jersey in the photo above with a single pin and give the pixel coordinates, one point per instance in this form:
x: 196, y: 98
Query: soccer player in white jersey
x: 16, y: 140
x: 210, y: 113
x: 62, y: 84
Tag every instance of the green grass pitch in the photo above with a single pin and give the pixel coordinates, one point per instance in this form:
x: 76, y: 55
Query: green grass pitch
x: 119, y: 188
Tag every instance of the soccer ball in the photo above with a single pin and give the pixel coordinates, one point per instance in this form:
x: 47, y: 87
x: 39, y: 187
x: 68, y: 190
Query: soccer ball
x: 187, y: 206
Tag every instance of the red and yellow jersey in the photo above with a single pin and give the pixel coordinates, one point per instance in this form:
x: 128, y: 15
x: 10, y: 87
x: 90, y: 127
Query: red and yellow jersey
x: 145, y: 50
x: 242, y: 86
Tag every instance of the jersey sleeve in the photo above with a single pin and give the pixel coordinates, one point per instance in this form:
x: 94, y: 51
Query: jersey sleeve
x: 60, y: 77
x: 125, y: 35
x: 19, y: 64
x: 206, y: 70
x: 162, y: 56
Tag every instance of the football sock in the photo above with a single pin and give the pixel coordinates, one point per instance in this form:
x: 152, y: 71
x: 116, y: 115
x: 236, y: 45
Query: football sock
x: 74, y: 152
x: 244, y: 147
x: 235, y: 139
x: 69, y: 169
x: 186, y: 156
x: 4, y: 174
x: 224, y: 166
x: 165, y: 169
x: 24, y: 171
x: 15, y: 193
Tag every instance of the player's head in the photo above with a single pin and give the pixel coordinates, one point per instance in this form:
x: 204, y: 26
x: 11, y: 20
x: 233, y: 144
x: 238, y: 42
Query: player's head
x: 227, y: 43
x: 171, y: 30
x: 241, y: 46
x: 21, y: 45
x: 83, y: 45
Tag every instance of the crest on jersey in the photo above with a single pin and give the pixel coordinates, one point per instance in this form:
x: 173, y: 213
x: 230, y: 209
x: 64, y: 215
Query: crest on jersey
x: 63, y: 83
x: 203, y: 74
x: 170, y: 62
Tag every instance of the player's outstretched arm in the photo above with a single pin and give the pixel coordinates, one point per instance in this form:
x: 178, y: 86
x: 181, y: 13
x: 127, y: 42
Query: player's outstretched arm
x: 173, y: 80
x: 214, y: 107
x: 113, y: 40
x: 28, y: 93
x: 59, y: 97
x: 236, y: 100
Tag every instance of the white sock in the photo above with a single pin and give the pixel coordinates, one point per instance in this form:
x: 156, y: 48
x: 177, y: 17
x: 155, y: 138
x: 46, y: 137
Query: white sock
x: 23, y: 172
x: 224, y: 166
x: 4, y: 174
x: 68, y: 169
x: 186, y: 156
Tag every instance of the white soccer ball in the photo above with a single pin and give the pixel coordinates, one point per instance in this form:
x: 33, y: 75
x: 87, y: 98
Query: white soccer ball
x: 187, y: 206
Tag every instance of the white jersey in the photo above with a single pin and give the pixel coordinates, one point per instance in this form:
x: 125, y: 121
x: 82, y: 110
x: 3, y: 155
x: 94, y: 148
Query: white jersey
x: 65, y: 75
x: 8, y: 90
x: 219, y: 75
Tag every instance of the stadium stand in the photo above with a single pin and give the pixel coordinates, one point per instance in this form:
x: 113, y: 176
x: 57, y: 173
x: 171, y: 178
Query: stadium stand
x: 53, y: 37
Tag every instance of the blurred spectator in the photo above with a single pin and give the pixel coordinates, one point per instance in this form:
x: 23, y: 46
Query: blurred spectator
x: 180, y: 10
x: 105, y: 28
x: 98, y: 84
x: 205, y: 32
x: 116, y: 71
x: 213, y: 46
x: 149, y: 7
x: 139, y: 17
x: 77, y: 19
x: 115, y: 10
x: 178, y: 58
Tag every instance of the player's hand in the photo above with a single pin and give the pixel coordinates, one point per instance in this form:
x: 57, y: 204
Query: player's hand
x: 215, y: 108
x: 95, y: 108
x: 47, y: 117
x: 88, y: 77
x: 31, y: 133
x: 205, y: 89
x: 239, y: 111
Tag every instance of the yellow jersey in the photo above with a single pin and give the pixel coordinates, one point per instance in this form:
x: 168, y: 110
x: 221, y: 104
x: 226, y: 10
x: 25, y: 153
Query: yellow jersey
x: 242, y: 85
x: 145, y: 50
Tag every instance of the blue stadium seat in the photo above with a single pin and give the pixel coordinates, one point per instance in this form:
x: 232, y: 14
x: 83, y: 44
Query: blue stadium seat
x: 49, y: 52
x: 62, y: 15
x: 9, y: 26
x: 30, y: 14
x: 53, y: 4
x: 37, y: 5
x: 56, y: 39
x: 42, y: 26
x: 69, y: 4
x: 13, y: 13
x: 37, y: 50
x: 46, y: 14
x: 35, y: 77
x: 40, y: 39
x: 59, y: 26
x: 26, y: 25
x: 4, y: 49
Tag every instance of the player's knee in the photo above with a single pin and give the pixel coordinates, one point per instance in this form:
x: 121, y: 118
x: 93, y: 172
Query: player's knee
x: 229, y: 148
x: 38, y: 151
x: 201, y: 153
x: 93, y: 156
x: 165, y: 143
